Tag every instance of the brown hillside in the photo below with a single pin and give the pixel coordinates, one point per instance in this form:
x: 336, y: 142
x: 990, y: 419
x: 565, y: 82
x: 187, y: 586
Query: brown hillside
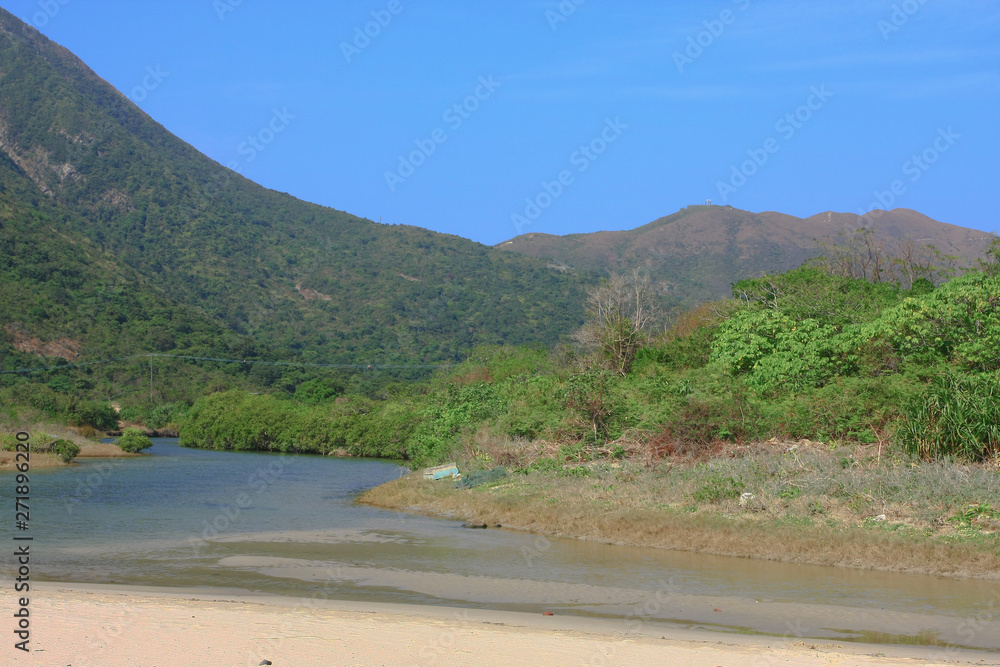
x: 698, y: 252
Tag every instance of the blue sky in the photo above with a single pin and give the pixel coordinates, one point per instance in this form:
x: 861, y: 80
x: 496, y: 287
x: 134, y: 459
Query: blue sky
x: 570, y: 117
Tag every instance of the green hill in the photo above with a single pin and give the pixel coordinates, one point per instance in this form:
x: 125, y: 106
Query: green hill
x: 106, y: 216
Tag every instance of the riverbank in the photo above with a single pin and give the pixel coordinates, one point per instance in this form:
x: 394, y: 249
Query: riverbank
x: 88, y: 448
x: 114, y: 625
x: 794, y: 502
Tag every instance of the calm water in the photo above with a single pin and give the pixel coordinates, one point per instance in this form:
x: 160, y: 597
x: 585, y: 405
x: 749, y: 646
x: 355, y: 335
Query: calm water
x: 287, y: 525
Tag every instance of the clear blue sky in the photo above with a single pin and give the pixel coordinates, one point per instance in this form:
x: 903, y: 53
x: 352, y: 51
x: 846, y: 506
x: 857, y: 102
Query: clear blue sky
x: 668, y: 98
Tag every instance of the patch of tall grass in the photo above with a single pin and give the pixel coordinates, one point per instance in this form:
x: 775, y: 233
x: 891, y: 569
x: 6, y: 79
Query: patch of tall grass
x: 957, y: 416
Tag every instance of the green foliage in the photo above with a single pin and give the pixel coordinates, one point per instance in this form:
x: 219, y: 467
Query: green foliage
x: 38, y: 441
x: 238, y: 420
x: 480, y: 477
x: 959, y: 322
x: 716, y: 487
x: 774, y: 350
x: 148, y: 246
x: 133, y: 441
x: 956, y: 416
x: 318, y: 390
x: 588, y: 396
x: 65, y: 450
x: 97, y: 414
x: 808, y: 293
x: 690, y: 351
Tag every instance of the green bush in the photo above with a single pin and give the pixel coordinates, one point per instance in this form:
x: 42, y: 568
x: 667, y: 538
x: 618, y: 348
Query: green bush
x: 957, y: 416
x: 958, y: 322
x: 100, y: 415
x: 65, y: 450
x: 133, y: 441
x: 776, y: 351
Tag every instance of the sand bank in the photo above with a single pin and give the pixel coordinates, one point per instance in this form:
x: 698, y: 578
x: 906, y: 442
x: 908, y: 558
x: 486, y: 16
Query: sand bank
x: 93, y: 450
x: 82, y: 625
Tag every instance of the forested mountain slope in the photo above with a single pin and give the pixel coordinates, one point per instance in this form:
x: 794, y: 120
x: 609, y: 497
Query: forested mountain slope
x: 89, y: 179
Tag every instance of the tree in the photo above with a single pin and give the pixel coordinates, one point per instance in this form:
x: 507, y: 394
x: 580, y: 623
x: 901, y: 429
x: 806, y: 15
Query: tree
x: 618, y: 311
x: 133, y: 441
x: 866, y: 255
x: 990, y: 265
x: 858, y: 255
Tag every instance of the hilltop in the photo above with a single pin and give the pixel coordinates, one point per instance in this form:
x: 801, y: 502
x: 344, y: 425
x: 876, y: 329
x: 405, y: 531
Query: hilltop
x: 697, y: 253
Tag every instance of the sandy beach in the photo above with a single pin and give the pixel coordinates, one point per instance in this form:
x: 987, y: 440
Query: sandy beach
x: 80, y: 625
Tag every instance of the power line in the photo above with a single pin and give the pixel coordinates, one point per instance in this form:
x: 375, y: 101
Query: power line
x: 246, y: 362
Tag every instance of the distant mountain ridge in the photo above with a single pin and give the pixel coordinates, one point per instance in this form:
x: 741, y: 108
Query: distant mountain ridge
x: 696, y: 253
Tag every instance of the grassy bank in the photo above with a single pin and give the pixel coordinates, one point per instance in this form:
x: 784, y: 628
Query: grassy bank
x: 42, y: 433
x: 849, y: 506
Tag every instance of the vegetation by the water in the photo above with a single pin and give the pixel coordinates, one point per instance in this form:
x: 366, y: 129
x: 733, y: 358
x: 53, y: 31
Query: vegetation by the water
x: 133, y: 441
x: 805, y: 354
x: 42, y: 442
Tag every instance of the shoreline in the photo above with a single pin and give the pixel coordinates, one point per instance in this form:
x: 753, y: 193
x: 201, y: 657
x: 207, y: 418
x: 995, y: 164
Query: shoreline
x: 119, y: 625
x: 90, y: 450
x: 567, y: 507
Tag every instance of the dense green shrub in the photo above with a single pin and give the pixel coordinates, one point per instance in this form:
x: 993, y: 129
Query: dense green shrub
x: 133, y: 441
x: 99, y: 415
x: 238, y: 420
x: 774, y: 350
x: 65, y: 450
x: 958, y: 322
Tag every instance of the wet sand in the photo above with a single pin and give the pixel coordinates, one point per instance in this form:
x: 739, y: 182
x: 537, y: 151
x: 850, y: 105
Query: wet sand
x: 82, y: 625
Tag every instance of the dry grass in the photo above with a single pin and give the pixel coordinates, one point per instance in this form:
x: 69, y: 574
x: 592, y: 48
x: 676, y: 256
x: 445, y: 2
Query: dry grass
x: 810, y: 504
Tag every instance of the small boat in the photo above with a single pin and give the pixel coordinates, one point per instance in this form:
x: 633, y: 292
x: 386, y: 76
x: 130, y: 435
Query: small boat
x: 442, y: 471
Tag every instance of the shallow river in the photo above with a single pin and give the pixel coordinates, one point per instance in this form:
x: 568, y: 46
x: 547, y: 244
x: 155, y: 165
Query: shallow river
x: 288, y: 525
